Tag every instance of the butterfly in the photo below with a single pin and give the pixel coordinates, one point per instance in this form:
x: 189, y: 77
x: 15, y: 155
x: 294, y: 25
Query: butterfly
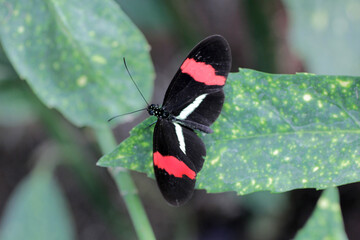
x: 192, y: 102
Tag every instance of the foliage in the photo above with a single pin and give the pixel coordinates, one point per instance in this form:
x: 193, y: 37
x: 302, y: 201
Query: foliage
x: 73, y: 59
x: 37, y: 210
x: 326, y: 221
x: 276, y: 133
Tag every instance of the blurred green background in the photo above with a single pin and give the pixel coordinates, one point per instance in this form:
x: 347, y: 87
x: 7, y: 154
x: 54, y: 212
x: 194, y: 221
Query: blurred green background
x: 317, y: 36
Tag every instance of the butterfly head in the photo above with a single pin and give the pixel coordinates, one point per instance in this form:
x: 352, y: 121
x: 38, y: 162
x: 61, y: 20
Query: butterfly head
x: 157, y: 111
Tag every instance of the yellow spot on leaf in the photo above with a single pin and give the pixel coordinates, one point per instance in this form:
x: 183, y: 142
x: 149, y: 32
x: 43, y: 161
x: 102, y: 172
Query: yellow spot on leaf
x: 323, y: 203
x: 21, y: 29
x: 320, y: 105
x: 345, y: 163
x: 214, y: 161
x: 262, y: 121
x: 99, y: 59
x: 240, y: 96
x: 315, y: 169
x: 307, y: 97
x: 235, y: 131
x: 345, y: 83
x: 81, y: 81
x: 304, y: 180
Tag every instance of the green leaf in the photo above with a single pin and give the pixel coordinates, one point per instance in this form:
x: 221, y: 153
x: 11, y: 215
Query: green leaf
x: 326, y: 34
x: 326, y: 221
x: 37, y: 210
x: 71, y: 53
x: 276, y: 133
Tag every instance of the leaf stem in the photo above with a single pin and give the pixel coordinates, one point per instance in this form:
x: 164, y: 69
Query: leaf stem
x: 74, y: 158
x: 126, y: 187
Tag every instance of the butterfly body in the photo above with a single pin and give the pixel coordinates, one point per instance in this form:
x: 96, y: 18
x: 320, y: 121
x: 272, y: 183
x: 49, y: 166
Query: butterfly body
x: 193, y: 101
x: 159, y: 112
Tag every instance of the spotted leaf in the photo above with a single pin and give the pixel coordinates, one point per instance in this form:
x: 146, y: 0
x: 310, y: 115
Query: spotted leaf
x: 71, y: 53
x: 275, y: 133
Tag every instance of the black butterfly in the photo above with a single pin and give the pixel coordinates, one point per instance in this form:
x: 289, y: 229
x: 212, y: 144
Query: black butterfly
x: 193, y: 101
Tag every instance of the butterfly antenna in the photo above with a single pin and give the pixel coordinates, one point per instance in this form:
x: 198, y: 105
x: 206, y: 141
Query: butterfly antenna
x: 134, y: 82
x: 126, y: 114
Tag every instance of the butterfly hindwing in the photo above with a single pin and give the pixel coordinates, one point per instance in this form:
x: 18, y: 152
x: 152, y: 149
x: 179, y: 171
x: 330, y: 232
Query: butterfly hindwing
x: 178, y: 156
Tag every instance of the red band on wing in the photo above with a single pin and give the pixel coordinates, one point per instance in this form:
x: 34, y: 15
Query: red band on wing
x: 202, y: 72
x: 173, y: 166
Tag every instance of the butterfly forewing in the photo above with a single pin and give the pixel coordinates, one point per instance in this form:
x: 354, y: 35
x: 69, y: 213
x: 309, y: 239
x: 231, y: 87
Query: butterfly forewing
x: 204, y: 70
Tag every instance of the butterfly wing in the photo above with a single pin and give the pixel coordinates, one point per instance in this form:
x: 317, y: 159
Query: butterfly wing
x: 195, y: 93
x: 178, y: 156
x: 194, y: 96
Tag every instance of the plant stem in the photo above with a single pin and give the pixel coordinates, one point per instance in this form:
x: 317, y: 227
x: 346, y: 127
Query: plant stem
x: 75, y: 160
x: 126, y: 187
